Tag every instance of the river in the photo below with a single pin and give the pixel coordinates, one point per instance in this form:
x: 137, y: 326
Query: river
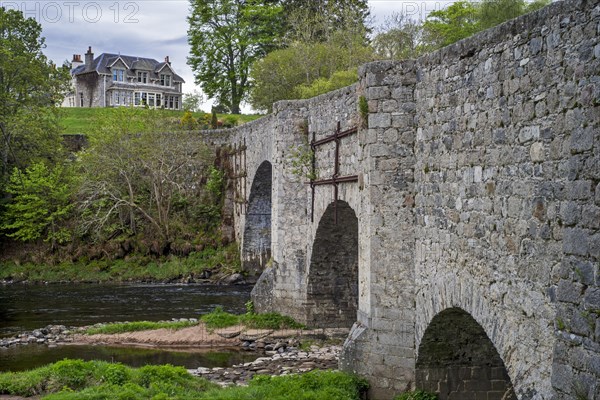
x: 28, y: 307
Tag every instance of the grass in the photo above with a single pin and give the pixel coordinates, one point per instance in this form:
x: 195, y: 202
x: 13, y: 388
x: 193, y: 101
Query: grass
x: 226, y: 259
x: 82, y: 120
x: 122, y: 327
x: 76, y: 379
x: 220, y: 319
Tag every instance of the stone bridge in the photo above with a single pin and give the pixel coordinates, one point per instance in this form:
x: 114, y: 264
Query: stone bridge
x: 447, y: 209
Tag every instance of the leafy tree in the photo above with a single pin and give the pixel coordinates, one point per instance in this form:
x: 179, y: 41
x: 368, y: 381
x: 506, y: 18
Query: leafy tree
x: 226, y: 37
x: 143, y: 182
x: 40, y: 203
x: 192, y: 101
x: 315, y: 20
x: 399, y: 38
x: 30, y: 88
x: 281, y: 73
x: 494, y: 12
x: 444, y: 27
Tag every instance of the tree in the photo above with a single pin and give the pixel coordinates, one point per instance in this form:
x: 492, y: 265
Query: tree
x: 40, y: 203
x: 226, y: 37
x: 30, y: 88
x: 400, y: 38
x: 280, y: 75
x: 142, y: 181
x: 494, y: 12
x: 192, y: 101
x: 444, y: 27
x: 314, y: 20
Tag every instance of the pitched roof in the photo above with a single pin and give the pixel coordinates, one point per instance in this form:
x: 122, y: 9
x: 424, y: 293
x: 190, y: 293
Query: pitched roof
x: 103, y: 61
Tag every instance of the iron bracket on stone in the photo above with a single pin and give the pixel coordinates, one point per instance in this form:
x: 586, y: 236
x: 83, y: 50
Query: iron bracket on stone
x: 335, y: 179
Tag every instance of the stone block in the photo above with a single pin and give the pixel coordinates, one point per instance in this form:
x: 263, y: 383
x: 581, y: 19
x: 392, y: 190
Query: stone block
x: 582, y: 139
x: 529, y: 133
x: 568, y: 291
x: 575, y: 241
x: 579, y: 190
x: 380, y: 120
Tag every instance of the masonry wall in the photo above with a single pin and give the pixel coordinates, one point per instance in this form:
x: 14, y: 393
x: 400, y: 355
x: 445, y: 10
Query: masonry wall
x: 502, y: 217
x: 478, y: 190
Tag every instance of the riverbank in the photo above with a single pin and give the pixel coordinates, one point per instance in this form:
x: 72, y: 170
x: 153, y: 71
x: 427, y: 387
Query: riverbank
x: 210, y: 265
x: 282, y: 351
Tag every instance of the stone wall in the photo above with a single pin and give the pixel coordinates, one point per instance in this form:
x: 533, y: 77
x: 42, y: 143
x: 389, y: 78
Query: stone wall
x: 478, y: 190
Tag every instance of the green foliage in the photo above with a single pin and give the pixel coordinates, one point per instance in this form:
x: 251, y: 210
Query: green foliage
x: 464, y: 18
x: 457, y: 21
x: 40, y: 203
x: 416, y: 395
x: 192, y: 101
x: 220, y: 319
x: 399, y: 39
x: 188, y: 122
x: 226, y: 37
x: 314, y: 385
x: 214, y: 122
x: 300, y: 159
x: 363, y: 108
x: 30, y: 88
x: 286, y: 73
x: 134, y: 268
x: 338, y: 79
x: 269, y: 321
x: 76, y: 380
x: 136, y: 180
x: 122, y: 327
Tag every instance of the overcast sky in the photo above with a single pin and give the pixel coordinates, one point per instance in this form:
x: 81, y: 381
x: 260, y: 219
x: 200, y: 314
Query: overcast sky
x: 145, y: 28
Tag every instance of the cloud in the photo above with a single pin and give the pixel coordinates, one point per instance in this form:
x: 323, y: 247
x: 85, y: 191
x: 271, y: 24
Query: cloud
x: 147, y: 28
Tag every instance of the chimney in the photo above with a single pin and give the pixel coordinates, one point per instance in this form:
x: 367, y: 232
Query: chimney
x: 76, y: 61
x: 89, y: 59
x: 167, y: 60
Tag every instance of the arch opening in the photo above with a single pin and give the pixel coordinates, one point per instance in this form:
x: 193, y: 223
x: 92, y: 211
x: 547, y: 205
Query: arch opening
x: 256, y: 249
x: 457, y: 360
x: 332, y: 289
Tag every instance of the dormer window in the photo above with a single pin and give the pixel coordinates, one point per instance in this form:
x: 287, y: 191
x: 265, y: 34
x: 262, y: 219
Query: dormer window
x: 165, y: 80
x: 142, y: 77
x: 118, y: 75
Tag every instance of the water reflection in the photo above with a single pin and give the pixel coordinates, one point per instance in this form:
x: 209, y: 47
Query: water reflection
x: 27, y: 307
x: 33, y: 356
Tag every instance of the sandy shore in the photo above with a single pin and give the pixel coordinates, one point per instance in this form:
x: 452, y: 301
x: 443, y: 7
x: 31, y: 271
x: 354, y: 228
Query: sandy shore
x: 194, y: 336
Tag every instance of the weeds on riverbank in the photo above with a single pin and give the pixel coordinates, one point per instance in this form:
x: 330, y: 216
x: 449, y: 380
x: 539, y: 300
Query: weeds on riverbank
x: 123, y: 327
x: 76, y: 379
x: 223, y: 259
x: 218, y: 319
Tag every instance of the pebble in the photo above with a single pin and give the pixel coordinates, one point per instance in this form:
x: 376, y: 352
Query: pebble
x: 290, y: 360
x: 50, y: 335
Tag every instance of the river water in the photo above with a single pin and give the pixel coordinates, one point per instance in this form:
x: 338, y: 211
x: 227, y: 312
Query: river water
x: 28, y: 307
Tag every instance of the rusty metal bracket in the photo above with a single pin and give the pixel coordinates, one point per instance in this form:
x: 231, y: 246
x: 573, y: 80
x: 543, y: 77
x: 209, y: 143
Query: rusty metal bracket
x: 335, y: 180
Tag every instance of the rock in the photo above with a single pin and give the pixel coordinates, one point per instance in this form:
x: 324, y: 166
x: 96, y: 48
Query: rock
x: 234, y: 279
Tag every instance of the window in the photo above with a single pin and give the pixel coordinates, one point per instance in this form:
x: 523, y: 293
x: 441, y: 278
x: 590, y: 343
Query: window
x: 151, y: 99
x: 158, y: 98
x: 165, y: 80
x: 137, y: 101
x: 116, y: 98
x: 142, y: 77
x: 144, y: 98
x: 80, y: 99
x: 118, y: 75
x: 177, y: 102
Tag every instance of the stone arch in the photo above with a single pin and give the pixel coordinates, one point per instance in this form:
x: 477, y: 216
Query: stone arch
x: 457, y: 360
x: 256, y: 249
x: 332, y: 284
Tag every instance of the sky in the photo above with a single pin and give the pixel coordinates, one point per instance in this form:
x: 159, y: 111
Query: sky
x: 145, y: 28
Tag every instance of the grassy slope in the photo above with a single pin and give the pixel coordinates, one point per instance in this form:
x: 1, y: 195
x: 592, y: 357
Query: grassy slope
x: 81, y: 120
